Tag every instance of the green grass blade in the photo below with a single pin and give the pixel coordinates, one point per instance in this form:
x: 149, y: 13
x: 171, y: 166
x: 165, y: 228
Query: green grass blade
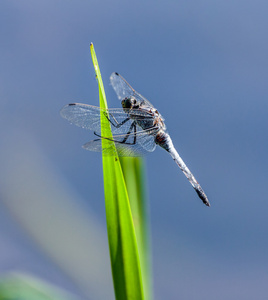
x: 124, y: 255
x: 133, y: 170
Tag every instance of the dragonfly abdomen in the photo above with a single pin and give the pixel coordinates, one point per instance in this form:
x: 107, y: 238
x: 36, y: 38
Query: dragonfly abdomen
x: 174, y: 154
x: 163, y: 140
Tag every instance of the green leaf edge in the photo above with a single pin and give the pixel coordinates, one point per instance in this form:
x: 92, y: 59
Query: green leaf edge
x: 125, y: 262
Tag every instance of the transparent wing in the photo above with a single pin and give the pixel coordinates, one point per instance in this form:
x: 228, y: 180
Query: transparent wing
x: 147, y: 142
x: 124, y: 90
x: 136, y: 140
x: 122, y: 149
x: 82, y: 115
x: 88, y: 117
x: 130, y: 139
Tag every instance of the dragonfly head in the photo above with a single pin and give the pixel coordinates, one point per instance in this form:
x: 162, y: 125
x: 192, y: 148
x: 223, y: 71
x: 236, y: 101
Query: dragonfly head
x: 129, y: 103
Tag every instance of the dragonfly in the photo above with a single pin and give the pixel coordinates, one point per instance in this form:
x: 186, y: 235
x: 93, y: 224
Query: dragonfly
x: 137, y: 128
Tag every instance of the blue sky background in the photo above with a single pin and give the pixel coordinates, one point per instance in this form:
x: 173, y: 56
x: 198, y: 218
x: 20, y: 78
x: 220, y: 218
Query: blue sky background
x: 204, y: 66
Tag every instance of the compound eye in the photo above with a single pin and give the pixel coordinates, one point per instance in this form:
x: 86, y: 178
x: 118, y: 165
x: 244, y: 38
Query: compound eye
x: 126, y: 103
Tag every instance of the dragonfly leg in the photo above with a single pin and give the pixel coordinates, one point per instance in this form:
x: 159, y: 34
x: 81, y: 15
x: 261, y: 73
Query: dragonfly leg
x: 116, y: 124
x: 133, y: 125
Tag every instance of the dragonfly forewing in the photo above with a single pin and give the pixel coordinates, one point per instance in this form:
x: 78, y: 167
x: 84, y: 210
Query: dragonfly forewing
x: 124, y: 90
x: 88, y: 117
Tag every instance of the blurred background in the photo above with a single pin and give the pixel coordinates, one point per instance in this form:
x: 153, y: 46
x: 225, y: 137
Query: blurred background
x: 204, y: 66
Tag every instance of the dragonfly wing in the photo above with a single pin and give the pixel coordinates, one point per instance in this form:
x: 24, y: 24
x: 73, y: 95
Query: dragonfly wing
x: 96, y: 146
x: 146, y: 141
x: 88, y: 117
x: 82, y: 115
x: 109, y: 149
x: 134, y: 143
x: 139, y: 140
x: 124, y: 90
